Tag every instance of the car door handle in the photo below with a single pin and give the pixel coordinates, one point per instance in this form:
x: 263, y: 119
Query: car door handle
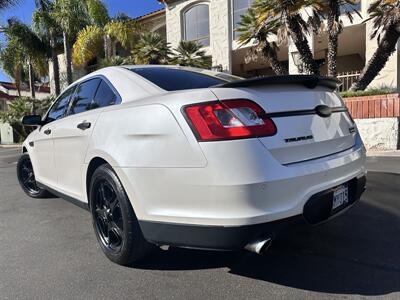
x: 47, y: 131
x: 84, y: 125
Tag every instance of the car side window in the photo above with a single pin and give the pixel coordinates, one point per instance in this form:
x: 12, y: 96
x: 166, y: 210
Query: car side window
x: 84, y: 95
x: 57, y: 111
x: 105, y: 96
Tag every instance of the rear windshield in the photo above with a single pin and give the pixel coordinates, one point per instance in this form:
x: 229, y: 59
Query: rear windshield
x: 171, y: 79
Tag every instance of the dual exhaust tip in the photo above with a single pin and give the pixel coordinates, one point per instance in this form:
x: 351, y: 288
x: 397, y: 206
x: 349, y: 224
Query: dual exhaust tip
x: 259, y: 246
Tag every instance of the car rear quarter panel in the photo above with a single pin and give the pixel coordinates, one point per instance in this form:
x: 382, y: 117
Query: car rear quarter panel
x: 142, y: 136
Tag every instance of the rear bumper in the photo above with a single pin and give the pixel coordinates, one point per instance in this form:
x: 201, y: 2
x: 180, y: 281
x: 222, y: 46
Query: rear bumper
x: 241, y: 185
x: 316, y: 210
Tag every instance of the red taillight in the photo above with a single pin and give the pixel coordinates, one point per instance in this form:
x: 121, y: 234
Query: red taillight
x: 232, y: 119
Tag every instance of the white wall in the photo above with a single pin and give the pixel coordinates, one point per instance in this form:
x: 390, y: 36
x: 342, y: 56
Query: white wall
x: 6, y: 134
x: 63, y: 74
x: 220, y: 29
x: 379, y: 133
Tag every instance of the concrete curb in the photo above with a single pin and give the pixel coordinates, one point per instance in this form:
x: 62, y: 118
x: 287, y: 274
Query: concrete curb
x: 395, y: 153
x: 11, y: 146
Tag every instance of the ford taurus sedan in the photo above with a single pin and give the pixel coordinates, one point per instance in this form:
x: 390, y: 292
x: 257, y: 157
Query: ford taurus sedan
x: 165, y: 155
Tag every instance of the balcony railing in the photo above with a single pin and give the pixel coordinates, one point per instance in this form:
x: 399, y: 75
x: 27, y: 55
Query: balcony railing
x: 347, y: 79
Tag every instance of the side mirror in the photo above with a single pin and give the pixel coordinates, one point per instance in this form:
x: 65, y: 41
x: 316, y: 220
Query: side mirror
x: 32, y: 120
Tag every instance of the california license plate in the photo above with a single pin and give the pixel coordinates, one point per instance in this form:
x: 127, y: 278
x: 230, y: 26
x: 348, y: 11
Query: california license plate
x: 340, y: 196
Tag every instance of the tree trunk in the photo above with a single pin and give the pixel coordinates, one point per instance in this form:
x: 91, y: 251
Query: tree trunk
x: 56, y: 72
x: 32, y: 86
x: 114, y: 49
x: 333, y: 37
x: 302, y: 46
x: 17, y: 78
x: 107, y: 47
x: 56, y: 68
x: 386, y: 47
x: 68, y: 60
x: 277, y: 66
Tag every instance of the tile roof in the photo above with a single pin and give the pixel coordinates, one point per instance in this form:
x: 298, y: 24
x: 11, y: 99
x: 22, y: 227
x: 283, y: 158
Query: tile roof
x: 151, y: 14
x: 4, y: 96
x: 12, y: 86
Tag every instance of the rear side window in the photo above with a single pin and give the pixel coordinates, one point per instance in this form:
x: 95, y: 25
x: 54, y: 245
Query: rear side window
x: 171, y: 79
x: 105, y: 96
x: 84, y: 96
x: 58, y: 109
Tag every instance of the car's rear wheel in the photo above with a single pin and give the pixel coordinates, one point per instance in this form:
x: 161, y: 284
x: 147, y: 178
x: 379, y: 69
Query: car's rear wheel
x: 27, y: 180
x: 115, y: 224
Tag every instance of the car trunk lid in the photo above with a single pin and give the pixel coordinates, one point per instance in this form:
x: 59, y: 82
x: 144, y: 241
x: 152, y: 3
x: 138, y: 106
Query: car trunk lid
x: 310, y: 117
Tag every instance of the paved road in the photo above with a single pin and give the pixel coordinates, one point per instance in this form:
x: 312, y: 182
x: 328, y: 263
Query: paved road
x: 48, y: 250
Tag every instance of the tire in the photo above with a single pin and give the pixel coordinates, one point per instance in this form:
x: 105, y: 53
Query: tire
x: 114, y: 221
x: 26, y: 178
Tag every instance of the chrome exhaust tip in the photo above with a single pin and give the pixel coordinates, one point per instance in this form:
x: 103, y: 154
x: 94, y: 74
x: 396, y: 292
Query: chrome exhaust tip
x: 259, y: 246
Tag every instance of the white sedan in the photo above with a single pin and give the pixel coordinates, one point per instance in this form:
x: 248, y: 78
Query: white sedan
x: 165, y: 155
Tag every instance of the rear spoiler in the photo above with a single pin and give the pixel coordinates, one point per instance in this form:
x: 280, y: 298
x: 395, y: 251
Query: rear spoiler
x: 309, y: 81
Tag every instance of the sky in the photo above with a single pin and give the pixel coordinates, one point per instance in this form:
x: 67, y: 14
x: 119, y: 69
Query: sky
x: 133, y: 8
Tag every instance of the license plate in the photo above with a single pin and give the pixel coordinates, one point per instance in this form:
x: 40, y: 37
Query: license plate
x: 340, y: 196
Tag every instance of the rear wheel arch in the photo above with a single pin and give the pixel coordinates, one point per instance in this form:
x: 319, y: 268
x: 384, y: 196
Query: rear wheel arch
x: 94, y: 164
x: 97, y: 161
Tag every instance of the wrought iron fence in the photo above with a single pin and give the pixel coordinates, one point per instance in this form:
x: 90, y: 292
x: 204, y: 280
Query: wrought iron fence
x: 347, y: 79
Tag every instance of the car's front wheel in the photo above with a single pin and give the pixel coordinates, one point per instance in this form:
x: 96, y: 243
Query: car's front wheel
x: 116, y: 226
x: 27, y: 180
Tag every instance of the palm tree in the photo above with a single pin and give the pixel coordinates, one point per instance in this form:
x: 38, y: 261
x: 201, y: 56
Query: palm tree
x: 286, y: 13
x: 49, y: 31
x: 189, y: 53
x: 12, y: 60
x: 29, y: 51
x: 151, y: 49
x: 124, y: 32
x: 335, y: 28
x: 95, y: 41
x: 385, y: 15
x: 97, y: 12
x: 89, y: 45
x: 72, y: 16
x: 282, y: 19
x: 250, y: 31
x: 99, y: 17
x: 330, y: 10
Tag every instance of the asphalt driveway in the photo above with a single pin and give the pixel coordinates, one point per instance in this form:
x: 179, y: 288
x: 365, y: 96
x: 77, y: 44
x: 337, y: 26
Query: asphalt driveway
x: 48, y: 250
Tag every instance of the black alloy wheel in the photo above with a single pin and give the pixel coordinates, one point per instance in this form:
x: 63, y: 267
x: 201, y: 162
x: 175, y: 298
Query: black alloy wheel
x: 114, y: 221
x: 108, y: 216
x: 27, y: 180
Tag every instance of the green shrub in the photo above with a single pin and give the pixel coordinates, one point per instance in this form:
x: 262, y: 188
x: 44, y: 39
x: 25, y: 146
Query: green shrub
x: 371, y: 92
x: 20, y: 107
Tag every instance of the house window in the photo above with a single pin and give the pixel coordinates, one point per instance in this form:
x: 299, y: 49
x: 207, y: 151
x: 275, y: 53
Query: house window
x: 197, y: 24
x: 350, y: 7
x: 240, y: 7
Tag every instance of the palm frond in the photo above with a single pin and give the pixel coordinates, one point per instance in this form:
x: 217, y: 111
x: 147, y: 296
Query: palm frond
x: 189, y: 53
x: 151, y: 48
x: 98, y: 12
x: 88, y: 45
x: 125, y: 32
